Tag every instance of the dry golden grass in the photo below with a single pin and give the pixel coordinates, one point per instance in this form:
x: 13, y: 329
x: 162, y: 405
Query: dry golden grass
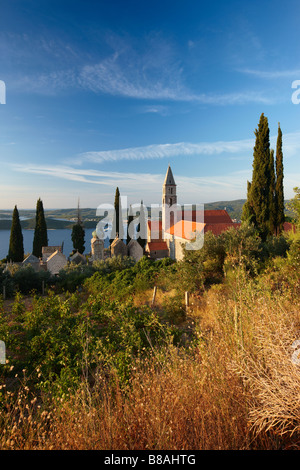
x: 235, y: 388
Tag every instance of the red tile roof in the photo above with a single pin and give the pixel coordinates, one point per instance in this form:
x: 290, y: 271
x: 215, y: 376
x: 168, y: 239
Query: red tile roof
x: 213, y: 216
x: 287, y: 226
x: 185, y: 228
x: 217, y: 229
x: 157, y: 246
x: 215, y: 221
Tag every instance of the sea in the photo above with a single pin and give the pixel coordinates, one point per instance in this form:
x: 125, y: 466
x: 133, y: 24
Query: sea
x: 57, y: 237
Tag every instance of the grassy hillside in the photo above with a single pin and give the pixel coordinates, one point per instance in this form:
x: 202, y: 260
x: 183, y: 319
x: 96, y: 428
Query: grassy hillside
x: 96, y: 364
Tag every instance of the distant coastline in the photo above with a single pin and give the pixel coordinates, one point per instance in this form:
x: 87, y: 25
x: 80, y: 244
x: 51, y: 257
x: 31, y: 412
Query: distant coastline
x: 58, y: 219
x: 65, y: 218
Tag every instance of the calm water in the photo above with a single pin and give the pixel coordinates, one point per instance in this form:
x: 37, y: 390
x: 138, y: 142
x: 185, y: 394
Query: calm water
x: 55, y: 237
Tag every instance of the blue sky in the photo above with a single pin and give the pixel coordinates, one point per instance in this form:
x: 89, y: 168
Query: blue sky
x: 101, y: 94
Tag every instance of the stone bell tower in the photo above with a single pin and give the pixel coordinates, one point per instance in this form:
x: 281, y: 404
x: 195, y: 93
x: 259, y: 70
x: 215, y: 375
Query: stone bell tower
x: 169, y: 198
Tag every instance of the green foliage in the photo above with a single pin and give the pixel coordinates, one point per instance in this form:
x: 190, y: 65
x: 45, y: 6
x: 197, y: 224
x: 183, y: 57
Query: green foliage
x: 26, y: 280
x: 6, y: 281
x: 40, y: 238
x: 121, y: 278
x: 243, y: 248
x: 96, y: 323
x: 293, y: 254
x: 294, y: 206
x: 57, y: 336
x: 16, y: 247
x: 23, y: 279
x: 234, y: 248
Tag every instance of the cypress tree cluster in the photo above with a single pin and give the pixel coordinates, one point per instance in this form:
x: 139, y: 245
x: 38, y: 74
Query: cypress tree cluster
x: 16, y: 246
x: 265, y: 200
x: 40, y: 238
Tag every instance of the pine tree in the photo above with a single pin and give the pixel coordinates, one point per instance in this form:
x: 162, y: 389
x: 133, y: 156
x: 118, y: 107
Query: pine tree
x: 117, y: 224
x: 259, y: 197
x: 16, y: 246
x: 40, y: 238
x: 279, y: 193
x: 78, y: 234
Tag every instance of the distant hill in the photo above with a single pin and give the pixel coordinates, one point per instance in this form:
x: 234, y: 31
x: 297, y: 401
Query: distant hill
x: 55, y: 219
x: 65, y: 218
x: 234, y: 208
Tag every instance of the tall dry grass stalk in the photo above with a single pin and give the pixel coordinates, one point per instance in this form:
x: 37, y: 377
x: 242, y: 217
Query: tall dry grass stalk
x: 175, y: 401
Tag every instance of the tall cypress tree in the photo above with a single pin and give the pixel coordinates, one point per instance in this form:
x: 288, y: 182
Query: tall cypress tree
x: 259, y: 197
x: 16, y: 246
x: 130, y: 219
x: 272, y: 209
x: 117, y: 224
x: 142, y: 227
x: 78, y: 234
x: 279, y: 193
x: 247, y: 211
x: 40, y: 238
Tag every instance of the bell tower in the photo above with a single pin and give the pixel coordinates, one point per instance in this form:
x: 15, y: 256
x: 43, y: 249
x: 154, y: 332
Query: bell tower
x: 169, y: 198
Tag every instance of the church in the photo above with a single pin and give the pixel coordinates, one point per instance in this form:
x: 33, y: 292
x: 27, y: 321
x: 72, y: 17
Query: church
x: 169, y: 233
x: 167, y: 236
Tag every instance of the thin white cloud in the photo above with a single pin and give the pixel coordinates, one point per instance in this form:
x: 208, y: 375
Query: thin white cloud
x: 272, y: 74
x: 143, y: 185
x: 146, y: 186
x: 167, y: 151
x: 90, y: 176
x: 291, y: 143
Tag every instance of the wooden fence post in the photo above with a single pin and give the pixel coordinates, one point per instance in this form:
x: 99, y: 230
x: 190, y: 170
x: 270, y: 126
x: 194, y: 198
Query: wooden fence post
x: 154, y: 295
x: 187, y: 300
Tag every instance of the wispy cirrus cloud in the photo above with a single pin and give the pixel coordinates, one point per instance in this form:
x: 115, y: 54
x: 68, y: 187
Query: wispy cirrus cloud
x: 108, y: 77
x: 91, y: 176
x: 291, y: 142
x: 150, y: 70
x: 166, y: 151
x: 190, y: 189
x: 145, y: 185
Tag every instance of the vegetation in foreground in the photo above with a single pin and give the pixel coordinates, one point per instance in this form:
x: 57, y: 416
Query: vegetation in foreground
x: 93, y: 364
